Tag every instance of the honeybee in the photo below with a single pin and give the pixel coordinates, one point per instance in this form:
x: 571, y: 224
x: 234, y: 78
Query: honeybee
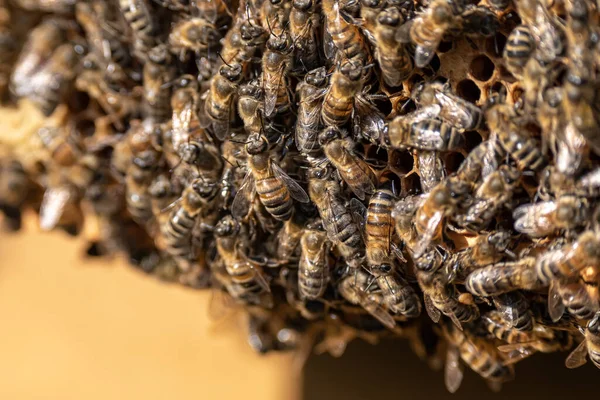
x: 353, y: 288
x: 60, y: 207
x: 494, y: 192
x: 478, y: 21
x: 393, y: 57
x: 244, y: 38
x: 179, y: 228
x: 289, y: 237
x: 304, y: 25
x: 195, y: 34
x: 513, y: 309
x: 276, y: 63
x: 579, y: 104
x: 346, y: 82
x: 544, y: 27
x: 313, y: 267
x: 308, y: 123
x: 486, y: 249
x: 519, y: 47
x: 403, y: 214
x: 354, y: 171
x: 185, y: 122
x: 138, y: 15
x: 441, y: 296
x: 344, y: 36
x: 369, y: 10
x: 218, y: 104
x: 439, y: 203
x: 431, y: 169
x: 156, y: 75
x: 544, y: 218
x: 523, y: 149
x: 504, y: 277
x: 562, y: 263
x: 274, y: 187
x: 589, y: 346
x: 478, y: 353
x: 453, y: 109
x: 426, y: 134
x: 250, y: 107
x: 248, y: 283
x: 162, y: 194
x: 138, y: 200
x: 342, y: 230
x: 573, y: 296
x: 481, y: 161
x: 14, y: 189
x: 427, y: 30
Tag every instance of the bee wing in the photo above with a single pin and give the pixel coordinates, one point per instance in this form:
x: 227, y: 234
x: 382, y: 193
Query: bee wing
x: 296, y: 191
x: 453, y: 372
x: 379, y: 313
x: 243, y: 198
x: 271, y: 94
x: 427, y: 237
x: 403, y: 33
x: 363, y: 185
x: 206, y: 9
x: 53, y: 205
x: 329, y: 47
x: 455, y: 320
x: 490, y: 159
x: 534, y: 219
x: 456, y: 110
x: 359, y: 213
x: 260, y: 277
x: 432, y: 311
x: 181, y: 125
x: 368, y: 118
x: 556, y: 308
x: 578, y: 356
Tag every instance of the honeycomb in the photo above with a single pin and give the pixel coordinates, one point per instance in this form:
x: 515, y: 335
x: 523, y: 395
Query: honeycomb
x: 257, y: 149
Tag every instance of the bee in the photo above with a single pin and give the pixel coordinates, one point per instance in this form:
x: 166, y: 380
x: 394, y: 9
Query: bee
x: 504, y: 277
x: 343, y: 36
x: 195, y: 34
x: 513, y: 309
x: 453, y: 109
x: 354, y: 171
x: 138, y: 200
x: 138, y: 15
x: 589, y: 346
x: 185, y: 121
x: 478, y: 21
x: 244, y: 39
x: 14, y: 189
x: 179, y: 228
x: 545, y: 29
x: 579, y: 104
x: 162, y: 194
x: 572, y: 295
x: 494, y: 192
x: 346, y: 82
x: 234, y: 155
x: 442, y: 297
x: 308, y: 124
x: 393, y: 57
x: 426, y: 134
x: 481, y: 161
x: 431, y: 169
x: 289, y: 237
x: 427, y: 30
x: 248, y: 283
x: 218, y: 105
x: 403, y: 214
x: 353, y: 288
x: 562, y: 263
x: 439, y: 203
x: 250, y: 106
x: 304, y: 25
x: 478, y: 353
x: 341, y: 227
x: 546, y: 217
x: 274, y: 187
x: 486, y: 249
x: 525, y: 150
x: 156, y: 75
x: 519, y: 47
x: 369, y: 10
x: 276, y: 63
x: 313, y: 267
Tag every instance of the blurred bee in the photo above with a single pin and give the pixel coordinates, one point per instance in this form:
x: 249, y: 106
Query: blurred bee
x: 441, y: 297
x: 48, y: 6
x: 248, y: 283
x: 234, y: 155
x: 478, y: 21
x: 504, y: 277
x: 544, y: 218
x: 313, y: 267
x: 427, y: 30
x: 589, y: 346
x: 579, y: 104
x: 178, y: 230
x: 573, y: 296
x: 343, y: 36
x: 495, y: 191
x: 513, y: 309
x: 138, y: 15
x: 276, y: 63
x: 185, y: 122
x: 354, y: 288
x: 212, y: 11
x: 308, y: 124
x: 288, y: 237
x: 485, y: 249
x: 304, y: 25
x: 525, y: 150
x: 519, y: 47
x: 342, y: 230
x: 346, y: 82
x: 250, y: 106
x: 545, y: 29
x: 478, y: 353
x: 393, y: 57
x: 439, y: 203
x: 14, y: 189
x: 156, y: 75
x: 60, y: 206
x: 481, y: 161
x: 274, y: 187
x: 431, y: 169
x: 369, y: 10
x: 564, y: 262
x: 162, y: 194
x: 499, y: 5
x: 217, y: 108
x: 453, y: 109
x: 195, y: 34
x: 427, y: 134
x: 404, y: 213
x: 354, y: 171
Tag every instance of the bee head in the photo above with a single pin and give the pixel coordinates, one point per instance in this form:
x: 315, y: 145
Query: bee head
x: 302, y: 5
x: 329, y: 134
x: 232, y: 73
x: 280, y: 43
x: 317, y: 77
x: 227, y: 226
x: 257, y: 145
x: 206, y: 190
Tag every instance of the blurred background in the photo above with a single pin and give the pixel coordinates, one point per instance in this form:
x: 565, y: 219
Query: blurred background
x: 99, y: 329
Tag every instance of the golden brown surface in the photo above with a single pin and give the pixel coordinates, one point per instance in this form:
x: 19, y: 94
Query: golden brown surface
x: 100, y: 330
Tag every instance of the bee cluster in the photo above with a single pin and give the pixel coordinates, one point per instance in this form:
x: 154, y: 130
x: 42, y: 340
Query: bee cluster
x: 340, y: 169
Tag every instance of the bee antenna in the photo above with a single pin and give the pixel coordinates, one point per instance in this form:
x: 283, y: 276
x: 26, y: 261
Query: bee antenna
x: 248, y: 14
x: 222, y: 59
x: 227, y: 161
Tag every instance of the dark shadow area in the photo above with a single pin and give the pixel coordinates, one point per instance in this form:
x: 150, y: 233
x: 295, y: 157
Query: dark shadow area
x: 391, y: 370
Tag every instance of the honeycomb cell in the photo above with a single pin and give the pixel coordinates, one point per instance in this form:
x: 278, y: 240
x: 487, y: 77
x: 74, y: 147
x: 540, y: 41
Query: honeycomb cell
x: 482, y: 68
x: 472, y: 138
x: 453, y: 161
x: 468, y: 90
x: 401, y: 162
